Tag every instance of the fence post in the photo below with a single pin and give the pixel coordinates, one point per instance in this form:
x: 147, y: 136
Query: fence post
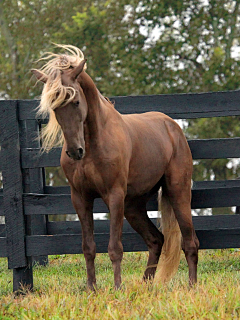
x: 12, y: 198
x: 33, y: 179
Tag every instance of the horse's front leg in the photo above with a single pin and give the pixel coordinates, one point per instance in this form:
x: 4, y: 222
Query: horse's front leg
x: 115, y: 248
x: 84, y: 209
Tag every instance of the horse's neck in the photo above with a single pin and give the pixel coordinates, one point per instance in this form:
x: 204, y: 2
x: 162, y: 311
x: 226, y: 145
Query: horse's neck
x: 96, y: 108
x: 89, y: 89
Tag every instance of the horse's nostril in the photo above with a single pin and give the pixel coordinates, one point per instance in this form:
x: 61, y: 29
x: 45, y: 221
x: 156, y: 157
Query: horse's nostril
x: 75, y: 155
x: 68, y: 154
x: 80, y: 151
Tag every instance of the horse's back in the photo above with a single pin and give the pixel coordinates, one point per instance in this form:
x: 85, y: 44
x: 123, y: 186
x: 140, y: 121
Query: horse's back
x: 150, y: 122
x: 153, y: 130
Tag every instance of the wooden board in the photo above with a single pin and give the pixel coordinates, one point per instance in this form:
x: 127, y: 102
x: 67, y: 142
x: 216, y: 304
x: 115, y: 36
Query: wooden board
x: 177, y: 106
x: 214, y: 232
x: 215, y: 148
x: 32, y: 182
x: 3, y: 247
x: 61, y: 203
x: 2, y: 230
x: 71, y: 244
x: 12, y: 191
x: 197, y: 185
x: 1, y: 203
x: 215, y: 222
x: 1, y: 162
x: 34, y: 158
x: 201, y: 149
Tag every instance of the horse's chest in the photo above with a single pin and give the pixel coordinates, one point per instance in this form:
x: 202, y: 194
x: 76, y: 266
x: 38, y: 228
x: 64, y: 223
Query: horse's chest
x: 97, y: 176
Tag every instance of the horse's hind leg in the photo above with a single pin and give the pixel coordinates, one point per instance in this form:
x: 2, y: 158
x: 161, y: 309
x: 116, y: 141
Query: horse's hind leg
x: 178, y: 190
x: 190, y: 242
x: 136, y: 214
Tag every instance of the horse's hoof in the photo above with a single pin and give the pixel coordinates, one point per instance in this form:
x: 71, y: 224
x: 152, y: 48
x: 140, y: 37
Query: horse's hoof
x: 118, y: 286
x: 92, y: 287
x: 149, y: 274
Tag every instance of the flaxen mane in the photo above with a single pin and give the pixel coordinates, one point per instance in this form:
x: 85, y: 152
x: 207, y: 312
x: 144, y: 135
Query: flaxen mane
x: 54, y: 93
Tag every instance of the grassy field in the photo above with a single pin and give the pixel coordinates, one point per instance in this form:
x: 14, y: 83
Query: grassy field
x: 60, y: 290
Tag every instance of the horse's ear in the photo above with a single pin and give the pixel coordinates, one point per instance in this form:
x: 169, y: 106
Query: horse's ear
x: 76, y: 71
x: 40, y: 75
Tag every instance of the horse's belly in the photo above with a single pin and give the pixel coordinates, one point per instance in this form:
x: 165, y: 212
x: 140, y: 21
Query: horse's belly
x: 144, y: 181
x: 148, y: 164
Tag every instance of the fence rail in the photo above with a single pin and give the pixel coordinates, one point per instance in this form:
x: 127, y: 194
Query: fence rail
x: 26, y: 201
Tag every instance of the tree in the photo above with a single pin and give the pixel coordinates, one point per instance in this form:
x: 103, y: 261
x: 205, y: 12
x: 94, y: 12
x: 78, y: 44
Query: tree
x: 26, y: 31
x: 109, y: 36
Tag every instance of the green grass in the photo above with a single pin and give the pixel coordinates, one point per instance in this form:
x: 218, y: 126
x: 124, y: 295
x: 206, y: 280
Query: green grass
x: 60, y: 290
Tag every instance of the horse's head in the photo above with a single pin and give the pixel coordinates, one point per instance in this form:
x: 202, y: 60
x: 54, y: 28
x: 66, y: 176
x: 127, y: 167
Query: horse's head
x: 69, y: 105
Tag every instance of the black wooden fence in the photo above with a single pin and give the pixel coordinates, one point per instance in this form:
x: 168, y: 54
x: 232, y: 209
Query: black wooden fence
x: 26, y: 201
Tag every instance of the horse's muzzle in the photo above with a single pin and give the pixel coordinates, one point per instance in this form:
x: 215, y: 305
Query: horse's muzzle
x: 78, y: 155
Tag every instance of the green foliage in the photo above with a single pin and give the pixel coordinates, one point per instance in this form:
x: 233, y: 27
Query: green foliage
x: 110, y: 38
x: 26, y: 31
x: 132, y: 48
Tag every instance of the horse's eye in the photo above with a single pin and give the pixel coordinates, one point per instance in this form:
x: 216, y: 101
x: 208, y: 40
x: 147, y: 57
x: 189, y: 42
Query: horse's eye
x: 76, y: 103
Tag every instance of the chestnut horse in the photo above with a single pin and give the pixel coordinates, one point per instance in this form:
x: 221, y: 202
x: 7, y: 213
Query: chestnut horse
x: 124, y: 159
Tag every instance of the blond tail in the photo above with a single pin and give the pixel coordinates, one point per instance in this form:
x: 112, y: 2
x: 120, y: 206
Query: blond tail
x: 171, y: 250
